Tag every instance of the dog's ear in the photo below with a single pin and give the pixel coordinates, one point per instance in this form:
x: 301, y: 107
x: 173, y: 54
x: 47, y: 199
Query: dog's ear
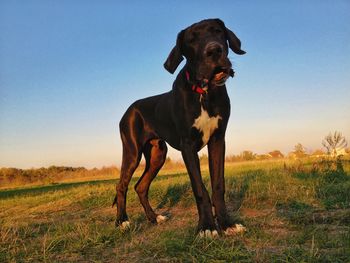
x: 233, y: 41
x: 175, y: 57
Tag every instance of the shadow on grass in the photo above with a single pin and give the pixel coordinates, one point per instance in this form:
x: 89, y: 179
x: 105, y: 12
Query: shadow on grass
x: 331, y: 180
x: 37, y: 190
x: 332, y: 189
x: 174, y: 194
x: 296, y: 212
x: 237, y: 188
x: 300, y: 213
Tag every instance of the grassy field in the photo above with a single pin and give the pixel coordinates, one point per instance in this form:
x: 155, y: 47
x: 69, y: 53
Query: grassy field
x: 294, y: 212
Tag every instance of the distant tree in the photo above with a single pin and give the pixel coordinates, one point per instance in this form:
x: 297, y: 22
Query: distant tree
x: 292, y: 155
x: 248, y: 155
x: 276, y: 154
x: 299, y: 151
x: 233, y: 158
x: 334, y: 143
x: 263, y: 156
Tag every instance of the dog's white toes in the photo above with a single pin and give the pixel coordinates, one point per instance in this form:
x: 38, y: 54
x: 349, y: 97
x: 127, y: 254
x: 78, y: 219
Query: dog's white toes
x: 124, y: 225
x: 160, y: 219
x: 208, y: 234
x: 214, y: 234
x: 236, y: 229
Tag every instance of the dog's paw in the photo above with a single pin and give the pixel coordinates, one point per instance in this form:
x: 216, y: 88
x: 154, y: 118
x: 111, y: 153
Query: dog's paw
x: 236, y: 229
x: 124, y: 225
x: 160, y: 219
x: 208, y: 233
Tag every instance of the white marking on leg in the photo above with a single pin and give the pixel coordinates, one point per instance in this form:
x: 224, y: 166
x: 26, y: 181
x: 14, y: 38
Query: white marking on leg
x: 207, y: 125
x: 161, y: 219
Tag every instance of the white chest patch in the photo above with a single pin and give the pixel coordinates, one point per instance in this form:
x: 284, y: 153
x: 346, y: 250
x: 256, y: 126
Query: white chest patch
x: 207, y: 125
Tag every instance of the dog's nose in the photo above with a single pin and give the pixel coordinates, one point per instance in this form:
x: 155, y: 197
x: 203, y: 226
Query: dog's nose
x: 214, y: 50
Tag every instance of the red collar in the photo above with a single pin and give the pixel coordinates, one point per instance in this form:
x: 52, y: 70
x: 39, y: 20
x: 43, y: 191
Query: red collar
x: 198, y: 89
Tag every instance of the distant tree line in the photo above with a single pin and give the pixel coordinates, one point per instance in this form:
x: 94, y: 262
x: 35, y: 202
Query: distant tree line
x: 334, y: 143
x: 50, y: 174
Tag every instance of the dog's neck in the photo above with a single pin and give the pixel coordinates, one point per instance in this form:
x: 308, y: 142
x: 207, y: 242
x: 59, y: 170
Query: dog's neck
x: 201, y: 88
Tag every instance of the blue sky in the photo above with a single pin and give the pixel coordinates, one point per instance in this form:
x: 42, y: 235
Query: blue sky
x: 69, y: 70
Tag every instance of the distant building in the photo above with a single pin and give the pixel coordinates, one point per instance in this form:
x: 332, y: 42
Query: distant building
x: 276, y: 154
x: 318, y: 153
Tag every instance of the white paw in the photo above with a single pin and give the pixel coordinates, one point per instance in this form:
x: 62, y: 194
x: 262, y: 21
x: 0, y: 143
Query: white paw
x: 160, y: 219
x: 208, y: 234
x: 236, y: 229
x: 124, y: 225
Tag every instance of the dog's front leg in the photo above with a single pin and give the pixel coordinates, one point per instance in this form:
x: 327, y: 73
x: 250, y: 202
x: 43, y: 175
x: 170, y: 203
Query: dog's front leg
x: 206, y: 224
x: 216, y: 151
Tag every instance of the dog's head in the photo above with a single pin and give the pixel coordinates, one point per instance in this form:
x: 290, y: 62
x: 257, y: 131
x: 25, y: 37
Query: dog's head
x: 205, y: 47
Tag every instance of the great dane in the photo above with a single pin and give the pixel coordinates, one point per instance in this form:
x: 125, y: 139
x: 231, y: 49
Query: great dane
x: 190, y: 116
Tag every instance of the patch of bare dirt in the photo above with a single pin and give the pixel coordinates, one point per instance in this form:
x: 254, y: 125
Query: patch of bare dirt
x: 249, y: 212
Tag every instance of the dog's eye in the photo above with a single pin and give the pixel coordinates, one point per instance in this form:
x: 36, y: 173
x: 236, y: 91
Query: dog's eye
x: 218, y: 31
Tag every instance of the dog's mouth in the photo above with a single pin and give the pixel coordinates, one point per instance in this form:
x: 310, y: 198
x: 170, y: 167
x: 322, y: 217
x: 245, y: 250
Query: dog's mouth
x: 217, y: 78
x: 220, y: 75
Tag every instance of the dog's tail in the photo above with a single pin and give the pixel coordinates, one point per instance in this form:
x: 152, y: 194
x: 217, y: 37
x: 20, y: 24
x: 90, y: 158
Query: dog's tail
x: 115, y: 200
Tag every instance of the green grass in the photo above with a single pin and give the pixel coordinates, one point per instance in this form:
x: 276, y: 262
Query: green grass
x: 294, y: 212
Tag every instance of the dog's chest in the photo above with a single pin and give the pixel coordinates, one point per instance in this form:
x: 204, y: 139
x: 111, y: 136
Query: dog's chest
x: 206, y: 125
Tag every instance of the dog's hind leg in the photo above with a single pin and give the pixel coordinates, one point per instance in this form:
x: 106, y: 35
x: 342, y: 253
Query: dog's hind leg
x: 155, y: 154
x: 132, y: 151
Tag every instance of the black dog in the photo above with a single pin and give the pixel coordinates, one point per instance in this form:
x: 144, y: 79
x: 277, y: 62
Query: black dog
x: 193, y: 114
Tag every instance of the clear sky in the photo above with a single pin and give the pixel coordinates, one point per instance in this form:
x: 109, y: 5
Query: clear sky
x: 69, y: 69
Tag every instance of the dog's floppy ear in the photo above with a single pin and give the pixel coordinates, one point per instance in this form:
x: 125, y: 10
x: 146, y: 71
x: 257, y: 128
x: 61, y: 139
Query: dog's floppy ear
x: 175, y: 57
x: 233, y: 41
